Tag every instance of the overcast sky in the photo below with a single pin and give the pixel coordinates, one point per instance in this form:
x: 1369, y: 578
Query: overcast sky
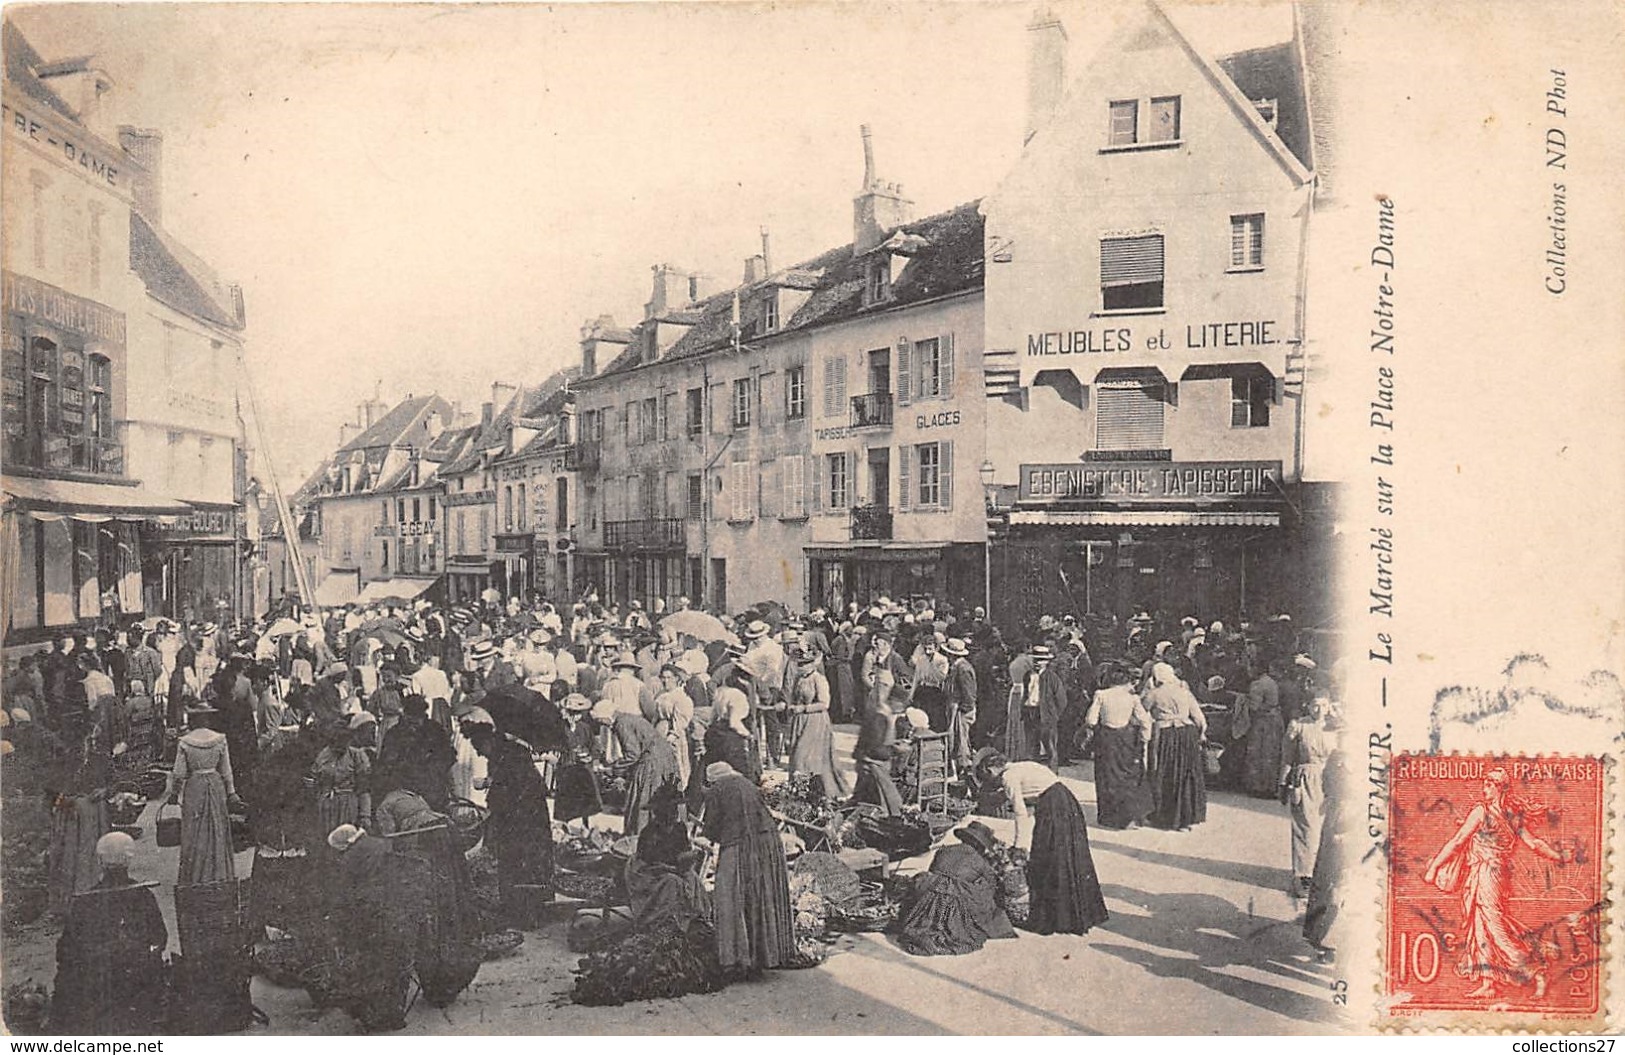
x: 431, y: 197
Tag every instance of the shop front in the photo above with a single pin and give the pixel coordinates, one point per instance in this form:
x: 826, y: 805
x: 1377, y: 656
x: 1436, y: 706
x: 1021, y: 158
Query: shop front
x: 514, y: 569
x: 1214, y: 540
x: 192, y: 564
x: 934, y: 572
x: 467, y: 578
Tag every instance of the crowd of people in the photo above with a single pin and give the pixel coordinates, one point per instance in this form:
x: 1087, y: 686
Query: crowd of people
x: 328, y: 739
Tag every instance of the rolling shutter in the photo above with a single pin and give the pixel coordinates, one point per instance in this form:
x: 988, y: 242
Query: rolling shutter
x: 905, y: 379
x: 1128, y: 415
x: 1130, y: 261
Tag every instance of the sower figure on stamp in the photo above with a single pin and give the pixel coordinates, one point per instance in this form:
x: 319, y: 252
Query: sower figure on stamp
x: 1477, y: 861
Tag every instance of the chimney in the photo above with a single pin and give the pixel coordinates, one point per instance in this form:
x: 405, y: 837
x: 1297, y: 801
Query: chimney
x: 755, y: 270
x: 434, y: 425
x: 485, y: 414
x: 84, y: 88
x: 767, y: 255
x: 146, y: 148
x: 669, y: 290
x: 1046, y: 69
x: 502, y: 393
x: 348, y: 431
x: 879, y: 206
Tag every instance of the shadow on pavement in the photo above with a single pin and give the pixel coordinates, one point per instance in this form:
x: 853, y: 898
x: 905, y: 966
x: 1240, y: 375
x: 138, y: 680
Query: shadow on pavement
x: 1275, y: 879
x: 1184, y: 923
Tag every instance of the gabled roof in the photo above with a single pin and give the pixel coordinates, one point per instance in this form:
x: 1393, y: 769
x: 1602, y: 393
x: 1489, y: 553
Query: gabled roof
x: 176, y: 277
x: 22, y: 72
x: 948, y: 260
x: 390, y: 429
x: 1274, y: 72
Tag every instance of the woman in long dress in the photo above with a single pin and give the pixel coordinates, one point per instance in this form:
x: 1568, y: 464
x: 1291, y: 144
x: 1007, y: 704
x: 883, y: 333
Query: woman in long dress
x: 518, y: 830
x: 342, y: 773
x: 1122, y: 729
x: 1178, y: 774
x: 812, y: 738
x: 729, y: 738
x: 663, y: 877
x: 576, y: 795
x: 1477, y: 861
x: 76, y: 790
x: 674, y: 710
x: 201, y: 781
x: 1065, y: 890
x: 653, y: 763
x: 1310, y: 741
x: 953, y: 907
x: 1259, y: 716
x: 755, y: 927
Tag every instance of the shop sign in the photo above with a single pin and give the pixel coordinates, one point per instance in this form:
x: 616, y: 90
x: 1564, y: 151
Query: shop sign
x: 200, y: 522
x: 1149, y: 481
x: 42, y: 132
x: 515, y: 543
x: 839, y: 432
x: 418, y: 527
x: 55, y: 307
x: 937, y: 420
x: 468, y: 498
x: 1230, y: 333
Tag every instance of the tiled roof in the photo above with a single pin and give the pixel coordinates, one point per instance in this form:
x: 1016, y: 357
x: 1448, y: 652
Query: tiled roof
x: 950, y: 261
x: 175, y: 277
x: 22, y: 66
x: 388, y: 430
x: 1274, y: 72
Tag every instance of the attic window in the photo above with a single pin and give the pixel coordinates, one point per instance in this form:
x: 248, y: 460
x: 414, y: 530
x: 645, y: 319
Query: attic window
x: 1266, y: 110
x: 877, y: 280
x: 770, y: 311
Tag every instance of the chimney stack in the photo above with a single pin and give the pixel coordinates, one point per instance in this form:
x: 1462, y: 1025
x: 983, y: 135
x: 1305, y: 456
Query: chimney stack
x: 146, y: 147
x: 879, y: 207
x: 502, y: 393
x: 755, y: 270
x: 485, y: 414
x: 85, y: 89
x: 767, y: 255
x: 1046, y: 69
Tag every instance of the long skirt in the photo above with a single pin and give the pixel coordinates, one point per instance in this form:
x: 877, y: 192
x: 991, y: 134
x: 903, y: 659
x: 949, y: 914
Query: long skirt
x: 843, y: 694
x: 205, y: 831
x: 950, y: 917
x: 812, y: 751
x: 1325, y: 888
x: 1121, y: 787
x: 77, y: 821
x: 665, y: 895
x: 576, y: 796
x: 1178, y: 777
x: 876, y: 787
x: 333, y: 809
x: 1061, y: 877
x: 279, y: 894
x: 1261, y: 770
x: 642, y: 782
x: 1308, y: 813
x: 755, y: 929
x: 447, y: 958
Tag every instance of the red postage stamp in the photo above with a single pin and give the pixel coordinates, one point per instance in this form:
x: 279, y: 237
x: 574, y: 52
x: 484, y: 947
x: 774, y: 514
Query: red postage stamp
x: 1496, y: 893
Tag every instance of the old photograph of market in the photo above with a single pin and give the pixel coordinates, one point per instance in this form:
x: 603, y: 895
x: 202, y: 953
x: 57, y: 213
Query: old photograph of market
x: 779, y: 519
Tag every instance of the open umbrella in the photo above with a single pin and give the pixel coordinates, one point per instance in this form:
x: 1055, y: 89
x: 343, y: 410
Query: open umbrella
x: 387, y: 630
x: 702, y: 626
x: 283, y: 627
x: 772, y: 613
x: 528, y: 715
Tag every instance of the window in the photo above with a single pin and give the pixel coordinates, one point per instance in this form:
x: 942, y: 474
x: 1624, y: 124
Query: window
x: 696, y: 496
x: 742, y: 402
x: 877, y: 281
x: 485, y: 530
x: 72, y: 391
x: 431, y: 507
x: 507, y: 508
x: 770, y: 312
x: 400, y: 510
x: 740, y: 487
x: 695, y: 400
x: 664, y: 417
x: 561, y: 487
x: 933, y: 462
x: 589, y: 499
x: 835, y: 388
x: 385, y: 564
x: 1247, y: 241
x: 1164, y: 120
x: 795, y: 393
x: 101, y: 397
x: 1129, y: 415
x: 519, y: 512
x: 933, y: 369
x: 793, y: 501
x: 1268, y: 111
x: 417, y: 509
x: 1131, y: 273
x: 840, y: 495
x: 647, y: 420
x: 1125, y: 117
x: 1250, y: 399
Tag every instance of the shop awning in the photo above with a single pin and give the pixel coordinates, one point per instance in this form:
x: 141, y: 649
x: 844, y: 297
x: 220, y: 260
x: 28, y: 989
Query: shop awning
x: 405, y: 589
x: 335, y: 590
x: 891, y: 551
x: 82, y: 500
x: 1143, y: 518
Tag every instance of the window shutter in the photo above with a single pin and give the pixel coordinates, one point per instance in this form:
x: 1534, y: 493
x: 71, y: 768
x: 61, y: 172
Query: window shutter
x: 945, y: 474
x: 945, y: 348
x: 904, y: 476
x: 1127, y: 261
x: 905, y: 378
x: 1129, y: 416
x: 817, y: 482
x: 853, y: 464
x: 829, y: 388
x: 840, y: 388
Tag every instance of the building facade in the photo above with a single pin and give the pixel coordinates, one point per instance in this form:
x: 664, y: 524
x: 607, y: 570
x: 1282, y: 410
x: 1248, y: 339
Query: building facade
x: 1144, y: 333
x: 799, y: 437
x: 535, y: 485
x: 73, y: 506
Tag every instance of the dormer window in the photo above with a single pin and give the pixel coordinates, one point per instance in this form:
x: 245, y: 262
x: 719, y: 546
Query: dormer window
x: 770, y: 311
x: 1267, y: 109
x: 877, y: 280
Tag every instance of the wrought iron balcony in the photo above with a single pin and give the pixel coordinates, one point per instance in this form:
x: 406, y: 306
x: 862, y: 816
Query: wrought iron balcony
x: 659, y: 533
x: 872, y: 523
x: 583, y: 457
x: 872, y: 411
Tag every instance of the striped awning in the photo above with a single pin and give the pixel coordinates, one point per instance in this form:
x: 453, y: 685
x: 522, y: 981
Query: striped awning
x: 1144, y: 518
